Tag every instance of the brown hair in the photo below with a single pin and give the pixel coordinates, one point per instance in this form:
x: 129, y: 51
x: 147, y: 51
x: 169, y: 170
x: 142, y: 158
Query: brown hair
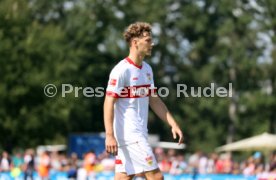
x: 136, y: 30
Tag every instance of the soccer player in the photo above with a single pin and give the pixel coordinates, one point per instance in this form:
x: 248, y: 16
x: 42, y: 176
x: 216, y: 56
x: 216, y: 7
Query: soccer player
x: 129, y: 93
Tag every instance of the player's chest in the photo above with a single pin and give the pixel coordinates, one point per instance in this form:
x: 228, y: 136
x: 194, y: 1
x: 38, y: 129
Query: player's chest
x: 138, y: 78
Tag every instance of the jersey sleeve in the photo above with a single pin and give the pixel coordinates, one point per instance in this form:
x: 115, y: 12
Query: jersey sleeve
x: 115, y: 83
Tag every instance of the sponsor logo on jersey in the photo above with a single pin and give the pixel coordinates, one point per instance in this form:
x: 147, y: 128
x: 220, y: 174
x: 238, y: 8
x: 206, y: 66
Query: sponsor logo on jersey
x: 136, y: 91
x: 112, y: 82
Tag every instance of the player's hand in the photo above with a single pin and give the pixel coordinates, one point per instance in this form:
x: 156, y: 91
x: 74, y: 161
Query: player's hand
x: 176, y: 131
x: 111, y: 145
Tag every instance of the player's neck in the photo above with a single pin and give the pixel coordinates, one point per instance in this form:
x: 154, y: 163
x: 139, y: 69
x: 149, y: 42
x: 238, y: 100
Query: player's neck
x: 136, y: 58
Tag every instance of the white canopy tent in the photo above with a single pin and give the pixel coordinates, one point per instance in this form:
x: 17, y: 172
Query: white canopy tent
x: 264, y: 142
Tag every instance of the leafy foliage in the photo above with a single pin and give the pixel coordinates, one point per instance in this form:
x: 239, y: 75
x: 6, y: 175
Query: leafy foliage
x: 78, y: 43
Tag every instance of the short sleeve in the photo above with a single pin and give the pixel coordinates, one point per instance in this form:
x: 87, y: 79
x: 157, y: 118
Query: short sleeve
x: 115, y: 83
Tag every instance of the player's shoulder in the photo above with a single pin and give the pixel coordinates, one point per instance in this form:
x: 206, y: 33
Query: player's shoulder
x: 120, y: 67
x: 147, y: 66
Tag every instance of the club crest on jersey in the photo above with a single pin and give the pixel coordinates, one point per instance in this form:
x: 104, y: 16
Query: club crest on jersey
x: 149, y: 160
x: 149, y: 76
x: 112, y: 82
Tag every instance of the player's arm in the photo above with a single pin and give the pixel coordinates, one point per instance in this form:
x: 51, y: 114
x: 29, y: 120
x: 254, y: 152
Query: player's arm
x: 161, y: 110
x: 110, y: 141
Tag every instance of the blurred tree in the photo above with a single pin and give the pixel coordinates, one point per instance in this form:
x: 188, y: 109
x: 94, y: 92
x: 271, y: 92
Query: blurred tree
x: 32, y: 55
x: 78, y: 43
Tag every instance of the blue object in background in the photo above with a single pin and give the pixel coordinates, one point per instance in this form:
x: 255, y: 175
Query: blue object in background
x: 82, y: 143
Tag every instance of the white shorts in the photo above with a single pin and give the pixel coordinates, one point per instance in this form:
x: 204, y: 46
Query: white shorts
x: 135, y: 158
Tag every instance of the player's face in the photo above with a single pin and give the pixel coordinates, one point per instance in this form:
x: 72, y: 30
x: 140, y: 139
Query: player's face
x: 144, y: 44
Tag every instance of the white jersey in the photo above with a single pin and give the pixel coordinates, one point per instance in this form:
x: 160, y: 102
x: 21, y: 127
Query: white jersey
x: 132, y: 85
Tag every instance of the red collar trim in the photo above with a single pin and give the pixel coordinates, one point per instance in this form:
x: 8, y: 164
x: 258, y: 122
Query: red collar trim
x: 131, y: 62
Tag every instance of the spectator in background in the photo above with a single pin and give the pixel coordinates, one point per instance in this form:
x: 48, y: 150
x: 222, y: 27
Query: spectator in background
x: 64, y: 162
x: 29, y: 164
x: 202, y: 165
x: 89, y: 163
x: 74, y: 160
x: 213, y: 157
x: 81, y: 173
x: 107, y: 162
x: 72, y: 166
x: 171, y: 154
x: 259, y: 163
x: 194, y: 162
x: 249, y: 167
x: 5, y: 162
x: 179, y: 165
x: 227, y: 164
x: 55, y: 162
x: 272, y: 169
x: 159, y: 153
x: 44, y: 165
x: 164, y: 164
x: 17, y: 160
x: 236, y: 168
x: 273, y: 163
x: 219, y: 164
